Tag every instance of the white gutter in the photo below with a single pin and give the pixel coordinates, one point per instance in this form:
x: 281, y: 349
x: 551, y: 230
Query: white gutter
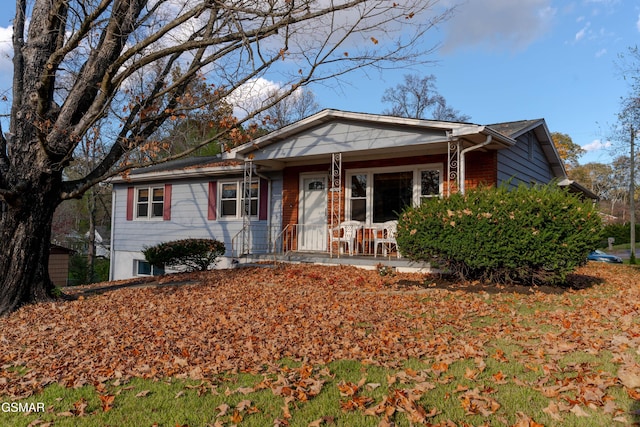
x: 112, y: 252
x: 177, y: 174
x: 462, y: 176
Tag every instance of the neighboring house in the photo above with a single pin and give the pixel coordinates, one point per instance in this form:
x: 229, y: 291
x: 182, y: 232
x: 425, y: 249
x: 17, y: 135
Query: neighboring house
x: 102, y: 245
x: 59, y: 264
x: 297, y: 182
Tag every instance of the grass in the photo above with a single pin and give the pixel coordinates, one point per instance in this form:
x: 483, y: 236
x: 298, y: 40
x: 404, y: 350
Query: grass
x: 175, y: 402
x: 546, y: 359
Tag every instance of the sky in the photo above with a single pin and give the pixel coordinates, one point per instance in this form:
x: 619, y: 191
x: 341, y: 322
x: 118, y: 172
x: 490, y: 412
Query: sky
x: 504, y: 60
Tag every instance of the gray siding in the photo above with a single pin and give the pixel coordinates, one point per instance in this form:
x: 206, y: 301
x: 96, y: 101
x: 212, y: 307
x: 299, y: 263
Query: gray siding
x: 189, y: 217
x: 525, y: 162
x: 348, y: 137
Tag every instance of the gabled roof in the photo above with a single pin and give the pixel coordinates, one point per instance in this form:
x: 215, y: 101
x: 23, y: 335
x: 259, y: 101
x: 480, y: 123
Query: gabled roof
x: 469, y: 132
x: 515, y: 129
x: 539, y: 127
x: 329, y: 115
x: 503, y: 135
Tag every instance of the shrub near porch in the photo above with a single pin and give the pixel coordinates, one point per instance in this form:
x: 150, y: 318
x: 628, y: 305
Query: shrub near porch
x: 531, y: 235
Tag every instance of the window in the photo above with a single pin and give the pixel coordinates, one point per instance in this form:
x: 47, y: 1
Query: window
x: 252, y: 199
x: 150, y: 202
x: 429, y: 184
x: 315, y: 185
x: 392, y: 192
x: 143, y: 268
x: 359, y: 197
x: 381, y: 195
x: 231, y: 199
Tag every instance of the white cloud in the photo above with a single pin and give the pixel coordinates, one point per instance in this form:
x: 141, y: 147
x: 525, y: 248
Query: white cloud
x: 596, y: 145
x: 498, y: 24
x: 601, y: 52
x: 638, y: 23
x: 6, y: 49
x: 583, y: 32
x: 250, y: 96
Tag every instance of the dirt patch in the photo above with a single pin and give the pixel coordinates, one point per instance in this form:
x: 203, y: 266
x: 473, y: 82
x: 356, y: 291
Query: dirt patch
x: 401, y: 282
x: 574, y: 282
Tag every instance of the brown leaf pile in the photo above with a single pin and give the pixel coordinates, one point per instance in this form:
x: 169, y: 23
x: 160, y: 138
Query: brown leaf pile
x: 246, y: 319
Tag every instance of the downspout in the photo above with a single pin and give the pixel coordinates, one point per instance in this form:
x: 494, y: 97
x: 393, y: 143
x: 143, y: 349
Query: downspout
x: 463, y: 162
x: 112, y: 253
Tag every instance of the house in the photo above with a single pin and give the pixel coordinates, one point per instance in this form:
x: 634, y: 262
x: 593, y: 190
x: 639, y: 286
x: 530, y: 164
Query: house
x: 282, y: 192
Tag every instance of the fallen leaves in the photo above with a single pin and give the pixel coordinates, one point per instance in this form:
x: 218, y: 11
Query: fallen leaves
x: 107, y: 401
x: 476, y: 402
x: 249, y: 319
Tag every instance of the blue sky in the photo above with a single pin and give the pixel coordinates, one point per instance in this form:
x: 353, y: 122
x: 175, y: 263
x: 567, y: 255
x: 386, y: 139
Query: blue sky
x: 504, y: 60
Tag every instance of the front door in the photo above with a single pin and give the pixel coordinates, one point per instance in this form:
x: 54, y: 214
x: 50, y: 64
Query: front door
x: 312, y: 212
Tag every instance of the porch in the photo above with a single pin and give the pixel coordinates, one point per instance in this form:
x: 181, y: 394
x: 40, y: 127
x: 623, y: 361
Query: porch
x: 401, y: 265
x: 312, y: 244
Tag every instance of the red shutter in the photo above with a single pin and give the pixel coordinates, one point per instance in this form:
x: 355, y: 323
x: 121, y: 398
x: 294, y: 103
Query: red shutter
x: 213, y: 196
x: 130, y: 204
x: 166, y: 210
x: 263, y: 209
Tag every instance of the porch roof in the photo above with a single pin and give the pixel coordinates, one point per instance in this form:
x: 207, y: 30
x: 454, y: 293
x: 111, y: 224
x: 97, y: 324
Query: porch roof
x: 189, y: 167
x: 361, y: 134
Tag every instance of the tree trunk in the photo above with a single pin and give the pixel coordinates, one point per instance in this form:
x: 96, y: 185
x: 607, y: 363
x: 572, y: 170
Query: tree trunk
x: 25, y: 233
x: 632, y: 197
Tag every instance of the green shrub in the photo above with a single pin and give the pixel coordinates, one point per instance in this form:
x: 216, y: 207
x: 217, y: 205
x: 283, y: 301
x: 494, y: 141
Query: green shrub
x: 192, y: 254
x: 620, y: 232
x: 79, y: 269
x: 526, y: 235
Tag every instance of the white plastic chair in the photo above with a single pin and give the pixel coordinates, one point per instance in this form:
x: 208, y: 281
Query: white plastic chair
x: 347, y: 234
x: 386, y: 238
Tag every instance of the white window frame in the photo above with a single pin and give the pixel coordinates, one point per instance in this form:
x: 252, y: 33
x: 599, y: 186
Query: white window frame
x: 238, y: 199
x: 438, y: 169
x: 149, y: 203
x: 416, y: 191
x: 152, y: 268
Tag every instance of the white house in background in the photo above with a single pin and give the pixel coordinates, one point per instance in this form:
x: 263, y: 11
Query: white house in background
x: 283, y: 192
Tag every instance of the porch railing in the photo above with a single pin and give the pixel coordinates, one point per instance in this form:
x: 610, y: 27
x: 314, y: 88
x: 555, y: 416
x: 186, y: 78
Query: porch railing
x: 274, y: 240
x: 255, y: 239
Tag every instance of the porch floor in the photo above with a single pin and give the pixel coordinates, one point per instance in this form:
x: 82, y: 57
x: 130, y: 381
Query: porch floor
x: 401, y: 265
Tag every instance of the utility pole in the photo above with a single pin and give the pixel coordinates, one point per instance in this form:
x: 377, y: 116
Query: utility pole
x: 632, y: 194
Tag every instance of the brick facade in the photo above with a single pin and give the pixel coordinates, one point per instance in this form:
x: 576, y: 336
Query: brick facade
x: 481, y: 170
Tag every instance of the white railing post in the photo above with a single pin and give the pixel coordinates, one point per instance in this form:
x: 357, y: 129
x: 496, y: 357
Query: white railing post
x: 246, y: 207
x: 336, y: 197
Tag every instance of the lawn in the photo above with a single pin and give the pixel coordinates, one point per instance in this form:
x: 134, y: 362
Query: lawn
x: 315, y: 345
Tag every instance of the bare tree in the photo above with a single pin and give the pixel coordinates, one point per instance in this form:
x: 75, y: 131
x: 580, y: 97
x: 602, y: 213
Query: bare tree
x: 83, y: 63
x: 418, y: 98
x: 298, y: 105
x: 627, y: 129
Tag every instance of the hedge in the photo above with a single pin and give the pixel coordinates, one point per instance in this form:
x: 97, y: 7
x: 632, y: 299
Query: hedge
x: 529, y: 235
x: 191, y: 254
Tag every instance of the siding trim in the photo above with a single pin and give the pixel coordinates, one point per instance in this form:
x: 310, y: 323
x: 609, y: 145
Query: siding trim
x: 130, y: 192
x: 211, y: 203
x: 263, y: 209
x: 166, y: 208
